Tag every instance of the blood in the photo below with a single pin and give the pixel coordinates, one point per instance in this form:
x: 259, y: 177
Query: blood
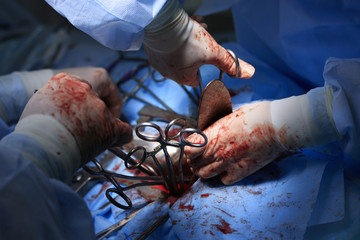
x: 173, y: 132
x: 171, y: 200
x: 186, y: 207
x: 224, y: 227
x: 162, y: 188
x: 233, y: 92
x: 210, y: 232
x: 197, y: 140
x: 225, y: 212
x: 116, y: 167
x: 205, y: 195
x: 254, y: 192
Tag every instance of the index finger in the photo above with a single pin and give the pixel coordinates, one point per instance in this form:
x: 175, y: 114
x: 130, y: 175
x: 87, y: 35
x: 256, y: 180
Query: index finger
x: 226, y: 62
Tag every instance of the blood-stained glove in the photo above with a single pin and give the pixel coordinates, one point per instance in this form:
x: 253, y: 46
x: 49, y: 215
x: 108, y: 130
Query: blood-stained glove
x: 71, y: 123
x: 257, y: 133
x: 17, y: 88
x: 101, y: 83
x: 177, y: 46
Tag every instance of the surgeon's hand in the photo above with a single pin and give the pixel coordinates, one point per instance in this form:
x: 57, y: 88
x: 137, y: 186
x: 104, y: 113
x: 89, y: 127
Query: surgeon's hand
x: 101, y: 83
x: 177, y: 46
x: 238, y: 145
x: 72, y: 102
x: 257, y: 133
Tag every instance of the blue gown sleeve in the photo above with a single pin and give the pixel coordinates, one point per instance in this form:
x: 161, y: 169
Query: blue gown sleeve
x: 13, y: 98
x: 33, y: 206
x: 343, y: 76
x: 116, y: 24
x: 16, y: 89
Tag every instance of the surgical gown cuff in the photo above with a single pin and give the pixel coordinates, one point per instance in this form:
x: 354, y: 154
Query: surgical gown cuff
x: 305, y: 120
x: 60, y: 156
x: 170, y: 29
x: 115, y: 24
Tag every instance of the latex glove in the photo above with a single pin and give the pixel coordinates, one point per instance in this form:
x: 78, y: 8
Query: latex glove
x: 257, y: 133
x: 66, y: 109
x: 101, y: 83
x: 177, y: 46
x: 17, y: 88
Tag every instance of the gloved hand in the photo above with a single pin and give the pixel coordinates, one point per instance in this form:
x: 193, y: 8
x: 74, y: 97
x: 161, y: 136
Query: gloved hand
x: 66, y: 109
x: 17, y: 88
x: 177, y: 46
x: 101, y: 83
x: 257, y: 133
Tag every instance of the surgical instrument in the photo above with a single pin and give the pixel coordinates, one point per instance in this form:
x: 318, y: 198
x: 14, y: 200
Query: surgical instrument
x: 215, y: 101
x: 165, y: 140
x: 172, y: 180
x: 119, y: 225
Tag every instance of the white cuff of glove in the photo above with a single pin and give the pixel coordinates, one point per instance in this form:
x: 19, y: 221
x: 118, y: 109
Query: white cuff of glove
x: 35, y: 79
x: 170, y: 28
x: 56, y: 140
x: 306, y: 120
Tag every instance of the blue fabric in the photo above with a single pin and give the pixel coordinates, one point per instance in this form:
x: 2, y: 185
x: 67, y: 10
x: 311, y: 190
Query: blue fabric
x: 344, y: 76
x: 13, y: 97
x: 33, y: 206
x: 297, y: 37
x: 115, y: 24
x: 4, y: 129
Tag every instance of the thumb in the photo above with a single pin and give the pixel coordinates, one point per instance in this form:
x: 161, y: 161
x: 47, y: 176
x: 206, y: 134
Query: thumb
x: 123, y: 133
x: 194, y: 152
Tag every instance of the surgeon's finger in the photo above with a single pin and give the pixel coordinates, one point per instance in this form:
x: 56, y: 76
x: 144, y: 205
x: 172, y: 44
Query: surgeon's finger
x: 122, y: 132
x: 113, y: 100
x: 233, y: 175
x: 226, y: 62
x: 211, y: 170
x: 105, y: 87
x: 194, y: 152
x: 200, y: 161
x: 241, y: 170
x: 229, y: 178
x: 101, y: 83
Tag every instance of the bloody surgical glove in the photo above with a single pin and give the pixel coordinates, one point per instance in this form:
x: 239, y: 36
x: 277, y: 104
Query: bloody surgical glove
x: 257, y: 133
x: 71, y: 123
x: 17, y: 88
x: 101, y: 83
x: 177, y: 46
